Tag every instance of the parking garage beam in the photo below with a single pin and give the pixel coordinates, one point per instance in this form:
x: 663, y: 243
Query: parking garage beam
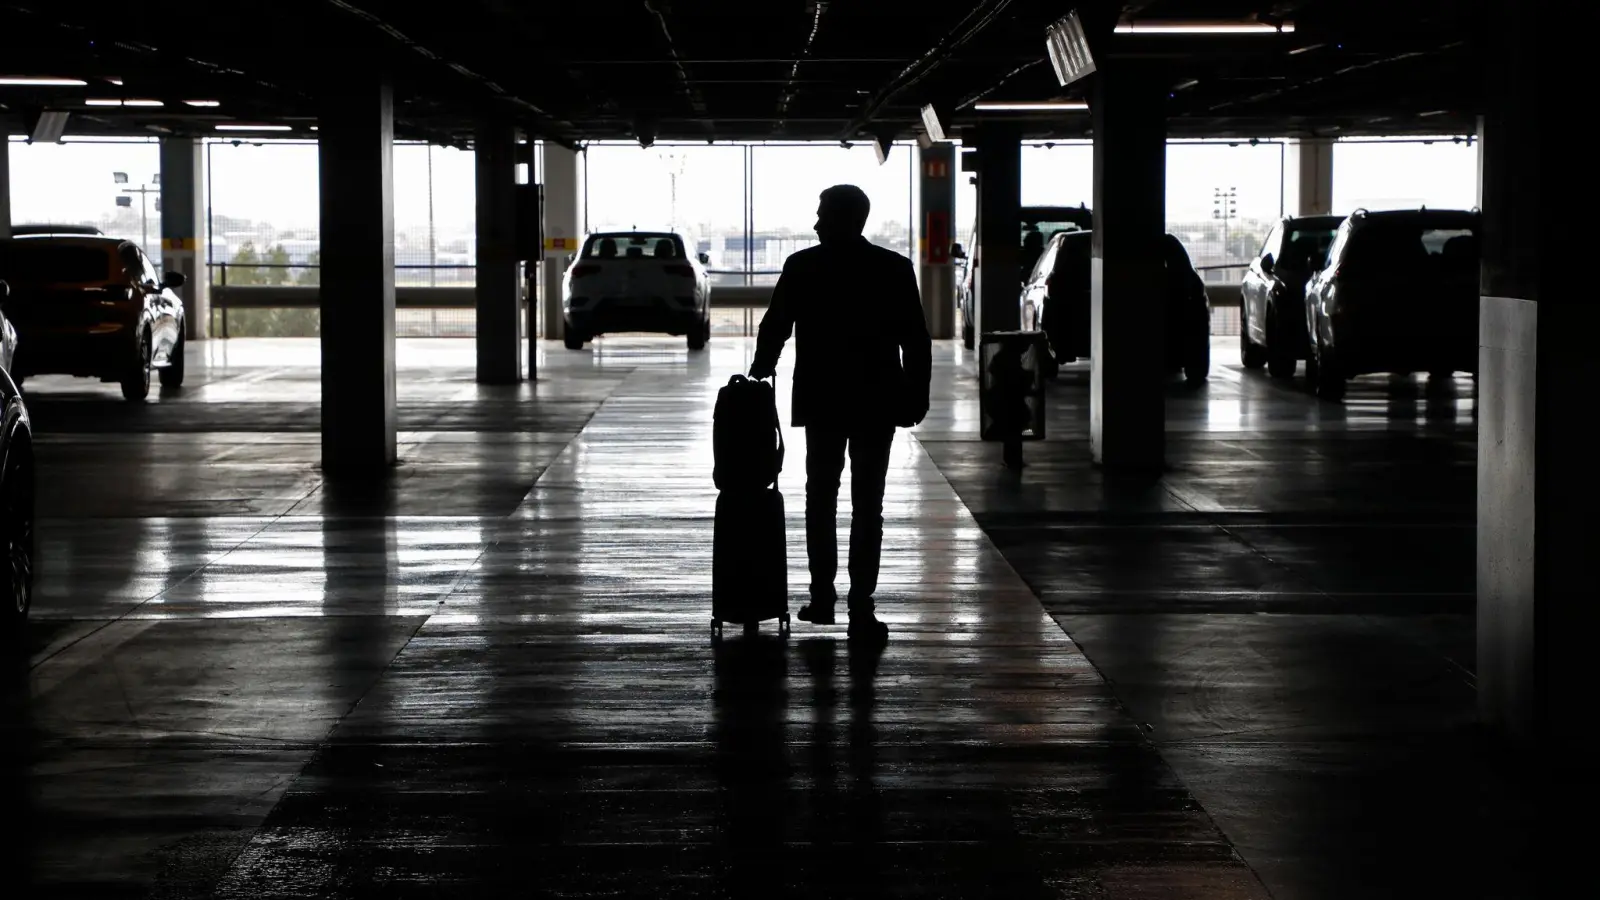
x: 498, y: 326
x: 562, y: 225
x: 1535, y: 477
x: 1311, y: 167
x: 183, y: 247
x: 998, y: 275
x: 355, y: 144
x: 937, y: 230
x: 1127, y: 406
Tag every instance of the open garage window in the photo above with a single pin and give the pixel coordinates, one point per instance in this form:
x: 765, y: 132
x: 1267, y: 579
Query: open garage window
x: 1405, y: 173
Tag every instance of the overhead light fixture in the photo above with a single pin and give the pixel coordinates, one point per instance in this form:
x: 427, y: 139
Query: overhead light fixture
x: 1197, y: 27
x: 41, y: 81
x: 1032, y: 106
x: 238, y: 127
x: 1306, y: 49
x: 1433, y: 112
x: 931, y: 123
x: 143, y: 103
x: 49, y: 127
x: 115, y: 81
x: 202, y: 103
x: 100, y: 101
x: 1068, y: 48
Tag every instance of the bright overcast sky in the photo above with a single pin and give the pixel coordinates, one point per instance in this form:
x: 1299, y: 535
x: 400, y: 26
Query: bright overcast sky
x: 628, y: 185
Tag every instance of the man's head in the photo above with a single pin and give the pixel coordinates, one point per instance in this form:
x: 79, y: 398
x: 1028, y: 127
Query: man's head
x: 842, y: 213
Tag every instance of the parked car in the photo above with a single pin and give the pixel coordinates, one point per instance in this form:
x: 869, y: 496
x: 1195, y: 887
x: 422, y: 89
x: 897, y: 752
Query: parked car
x: 1055, y: 300
x: 636, y: 281
x: 92, y: 306
x: 16, y: 490
x: 1397, y: 293
x: 1272, y: 295
x: 1038, y: 224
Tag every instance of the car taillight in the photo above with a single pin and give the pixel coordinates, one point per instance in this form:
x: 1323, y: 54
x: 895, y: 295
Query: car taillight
x: 686, y: 271
x: 586, y: 269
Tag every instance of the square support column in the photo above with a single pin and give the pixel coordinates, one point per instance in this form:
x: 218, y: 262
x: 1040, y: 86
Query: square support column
x: 937, y: 190
x: 1310, y: 175
x: 1536, y: 370
x: 355, y: 144
x: 998, y: 280
x: 563, y: 228
x: 183, y: 229
x: 498, y: 342
x: 5, y: 186
x: 1127, y: 404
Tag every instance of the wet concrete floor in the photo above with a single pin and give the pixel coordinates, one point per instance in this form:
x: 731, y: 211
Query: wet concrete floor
x: 493, y: 675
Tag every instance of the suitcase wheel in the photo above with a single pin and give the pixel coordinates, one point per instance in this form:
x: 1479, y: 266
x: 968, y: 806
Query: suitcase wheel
x: 716, y: 629
x: 783, y: 625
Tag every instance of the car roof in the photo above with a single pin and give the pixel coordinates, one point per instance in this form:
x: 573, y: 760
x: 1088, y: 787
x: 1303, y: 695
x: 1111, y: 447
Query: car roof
x: 1328, y: 221
x: 32, y: 228
x: 648, y: 234
x: 72, y: 240
x: 1422, y: 216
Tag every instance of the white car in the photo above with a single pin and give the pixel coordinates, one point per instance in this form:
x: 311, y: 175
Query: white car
x: 636, y: 281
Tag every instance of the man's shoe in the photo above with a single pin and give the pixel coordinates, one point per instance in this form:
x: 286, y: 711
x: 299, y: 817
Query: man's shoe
x: 866, y: 626
x: 817, y: 612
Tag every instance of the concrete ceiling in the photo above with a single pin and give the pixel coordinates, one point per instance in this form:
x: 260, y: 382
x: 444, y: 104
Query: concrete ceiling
x: 718, y: 69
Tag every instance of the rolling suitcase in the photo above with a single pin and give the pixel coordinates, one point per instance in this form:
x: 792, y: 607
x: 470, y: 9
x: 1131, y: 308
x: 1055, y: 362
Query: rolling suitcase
x: 749, y: 561
x: 749, y: 556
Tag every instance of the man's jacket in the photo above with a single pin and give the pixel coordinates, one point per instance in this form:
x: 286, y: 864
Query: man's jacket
x: 863, y: 357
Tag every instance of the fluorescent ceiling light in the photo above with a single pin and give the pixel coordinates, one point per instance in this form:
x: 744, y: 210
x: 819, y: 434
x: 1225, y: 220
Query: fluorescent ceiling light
x: 202, y: 103
x: 28, y: 81
x: 97, y: 101
x: 237, y: 127
x: 1031, y: 106
x: 115, y: 81
x: 1203, y: 28
x: 142, y: 103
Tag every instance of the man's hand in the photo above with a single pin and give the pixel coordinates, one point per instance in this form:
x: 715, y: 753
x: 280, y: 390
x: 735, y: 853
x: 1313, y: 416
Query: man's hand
x: 914, y: 413
x: 760, y: 371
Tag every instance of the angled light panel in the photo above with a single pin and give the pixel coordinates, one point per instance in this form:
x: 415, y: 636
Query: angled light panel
x: 1068, y: 49
x: 1203, y: 27
x: 1031, y: 106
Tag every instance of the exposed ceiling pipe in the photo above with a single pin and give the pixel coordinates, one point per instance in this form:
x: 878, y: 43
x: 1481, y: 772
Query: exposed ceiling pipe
x: 816, y: 8
x: 982, y: 16
x: 696, y: 102
x: 541, y: 120
x: 1302, y: 84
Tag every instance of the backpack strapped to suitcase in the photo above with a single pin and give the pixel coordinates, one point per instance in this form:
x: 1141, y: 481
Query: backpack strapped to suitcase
x: 750, y: 560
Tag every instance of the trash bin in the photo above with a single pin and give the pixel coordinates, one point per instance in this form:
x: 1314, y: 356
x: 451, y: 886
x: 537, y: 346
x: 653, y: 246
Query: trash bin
x: 1011, y: 368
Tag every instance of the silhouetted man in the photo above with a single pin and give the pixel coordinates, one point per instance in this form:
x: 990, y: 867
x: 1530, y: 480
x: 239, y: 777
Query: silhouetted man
x: 863, y: 360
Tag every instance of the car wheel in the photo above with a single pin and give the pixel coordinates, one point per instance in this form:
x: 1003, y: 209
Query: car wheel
x: 1198, y: 368
x: 1252, y: 354
x: 1280, y: 360
x: 136, y: 384
x: 172, y: 375
x: 1330, y: 382
x: 16, y: 521
x: 572, y: 340
x: 968, y: 339
x: 697, y: 337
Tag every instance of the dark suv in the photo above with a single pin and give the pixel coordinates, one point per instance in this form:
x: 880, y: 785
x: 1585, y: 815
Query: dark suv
x: 1398, y: 293
x: 1272, y: 295
x: 1038, y: 225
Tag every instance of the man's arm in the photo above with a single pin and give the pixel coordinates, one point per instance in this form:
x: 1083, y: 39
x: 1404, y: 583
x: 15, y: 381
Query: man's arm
x: 916, y: 345
x: 776, y: 326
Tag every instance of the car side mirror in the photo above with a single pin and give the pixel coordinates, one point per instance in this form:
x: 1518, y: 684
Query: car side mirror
x: 705, y: 258
x: 957, y: 251
x: 172, y: 280
x: 1266, y: 264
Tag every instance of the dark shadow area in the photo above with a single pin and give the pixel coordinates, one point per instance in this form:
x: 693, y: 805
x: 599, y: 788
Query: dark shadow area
x: 749, y: 731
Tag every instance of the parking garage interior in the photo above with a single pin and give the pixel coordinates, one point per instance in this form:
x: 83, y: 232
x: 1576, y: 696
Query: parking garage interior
x: 399, y: 595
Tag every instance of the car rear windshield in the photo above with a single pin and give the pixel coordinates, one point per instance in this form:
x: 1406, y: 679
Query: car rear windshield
x: 634, y: 245
x: 36, y: 262
x: 1307, y: 248
x: 1048, y: 230
x: 1400, y: 247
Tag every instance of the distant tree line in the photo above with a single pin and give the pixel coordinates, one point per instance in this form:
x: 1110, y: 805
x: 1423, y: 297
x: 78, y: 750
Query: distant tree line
x: 250, y: 266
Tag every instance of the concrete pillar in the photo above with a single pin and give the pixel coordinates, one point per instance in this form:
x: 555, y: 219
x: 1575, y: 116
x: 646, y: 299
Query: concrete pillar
x: 937, y: 272
x: 498, y: 342
x: 5, y: 184
x: 563, y: 228
x: 1536, y: 368
x: 1127, y: 406
x: 183, y: 228
x: 998, y: 281
x: 356, y: 158
x: 1310, y: 177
